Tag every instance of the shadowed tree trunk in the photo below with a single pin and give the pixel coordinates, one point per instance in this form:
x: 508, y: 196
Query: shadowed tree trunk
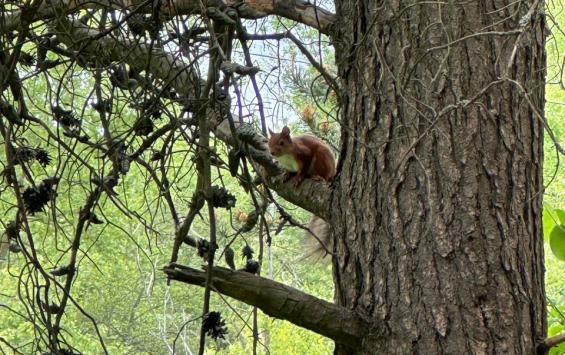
x: 437, y: 207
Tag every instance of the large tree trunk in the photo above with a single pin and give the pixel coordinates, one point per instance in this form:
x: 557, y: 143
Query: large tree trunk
x: 438, y: 203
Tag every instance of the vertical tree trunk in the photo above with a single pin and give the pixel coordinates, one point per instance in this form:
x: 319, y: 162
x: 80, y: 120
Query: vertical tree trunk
x: 438, y: 203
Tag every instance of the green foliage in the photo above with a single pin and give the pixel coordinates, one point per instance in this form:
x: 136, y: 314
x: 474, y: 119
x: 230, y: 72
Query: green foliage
x: 557, y: 241
x: 553, y: 330
x: 554, y: 230
x: 119, y: 283
x: 554, y: 176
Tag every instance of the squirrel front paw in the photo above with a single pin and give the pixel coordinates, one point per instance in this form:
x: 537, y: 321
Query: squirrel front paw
x: 298, y: 180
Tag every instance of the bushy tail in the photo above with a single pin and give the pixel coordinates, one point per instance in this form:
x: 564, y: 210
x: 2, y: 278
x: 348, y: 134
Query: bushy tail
x: 318, y: 239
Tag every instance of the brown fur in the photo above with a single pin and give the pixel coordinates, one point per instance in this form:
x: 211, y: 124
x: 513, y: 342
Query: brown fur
x: 313, y: 157
x: 314, y: 160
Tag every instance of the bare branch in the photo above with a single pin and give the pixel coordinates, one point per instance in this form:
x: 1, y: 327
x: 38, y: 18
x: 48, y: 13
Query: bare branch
x: 280, y: 301
x: 298, y: 10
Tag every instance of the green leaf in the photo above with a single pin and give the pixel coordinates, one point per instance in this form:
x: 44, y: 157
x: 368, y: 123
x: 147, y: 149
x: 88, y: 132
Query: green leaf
x: 548, y: 221
x: 557, y: 241
x: 561, y: 215
x: 557, y: 350
x: 555, y: 329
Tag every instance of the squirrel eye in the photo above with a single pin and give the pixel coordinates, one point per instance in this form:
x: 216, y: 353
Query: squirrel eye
x: 281, y: 143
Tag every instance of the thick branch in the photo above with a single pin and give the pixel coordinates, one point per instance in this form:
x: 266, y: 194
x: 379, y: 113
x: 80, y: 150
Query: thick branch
x: 280, y: 301
x: 298, y: 10
x: 313, y: 196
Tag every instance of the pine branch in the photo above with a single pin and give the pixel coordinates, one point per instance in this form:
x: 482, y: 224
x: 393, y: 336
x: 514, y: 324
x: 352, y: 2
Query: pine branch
x: 311, y: 195
x: 280, y: 301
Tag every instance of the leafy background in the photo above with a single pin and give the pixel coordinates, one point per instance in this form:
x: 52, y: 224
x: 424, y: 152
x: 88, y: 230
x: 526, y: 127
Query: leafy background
x: 120, y: 282
x: 554, y: 176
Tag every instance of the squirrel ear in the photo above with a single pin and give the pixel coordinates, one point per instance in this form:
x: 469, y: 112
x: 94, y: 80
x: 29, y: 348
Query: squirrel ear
x: 285, y: 131
x: 271, y: 132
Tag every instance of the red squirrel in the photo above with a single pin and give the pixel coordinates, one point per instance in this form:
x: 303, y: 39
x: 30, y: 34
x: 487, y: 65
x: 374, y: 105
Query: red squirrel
x: 307, y: 156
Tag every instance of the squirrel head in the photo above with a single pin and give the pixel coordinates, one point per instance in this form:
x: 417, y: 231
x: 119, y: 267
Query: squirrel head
x: 280, y: 143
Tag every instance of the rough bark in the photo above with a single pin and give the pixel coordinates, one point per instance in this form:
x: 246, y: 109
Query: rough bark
x: 437, y: 212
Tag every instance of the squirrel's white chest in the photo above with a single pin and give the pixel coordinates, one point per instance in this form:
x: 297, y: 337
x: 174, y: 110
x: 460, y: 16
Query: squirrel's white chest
x: 288, y: 162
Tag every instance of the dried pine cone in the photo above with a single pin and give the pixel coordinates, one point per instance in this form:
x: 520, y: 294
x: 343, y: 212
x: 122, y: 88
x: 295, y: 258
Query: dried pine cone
x: 214, y: 326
